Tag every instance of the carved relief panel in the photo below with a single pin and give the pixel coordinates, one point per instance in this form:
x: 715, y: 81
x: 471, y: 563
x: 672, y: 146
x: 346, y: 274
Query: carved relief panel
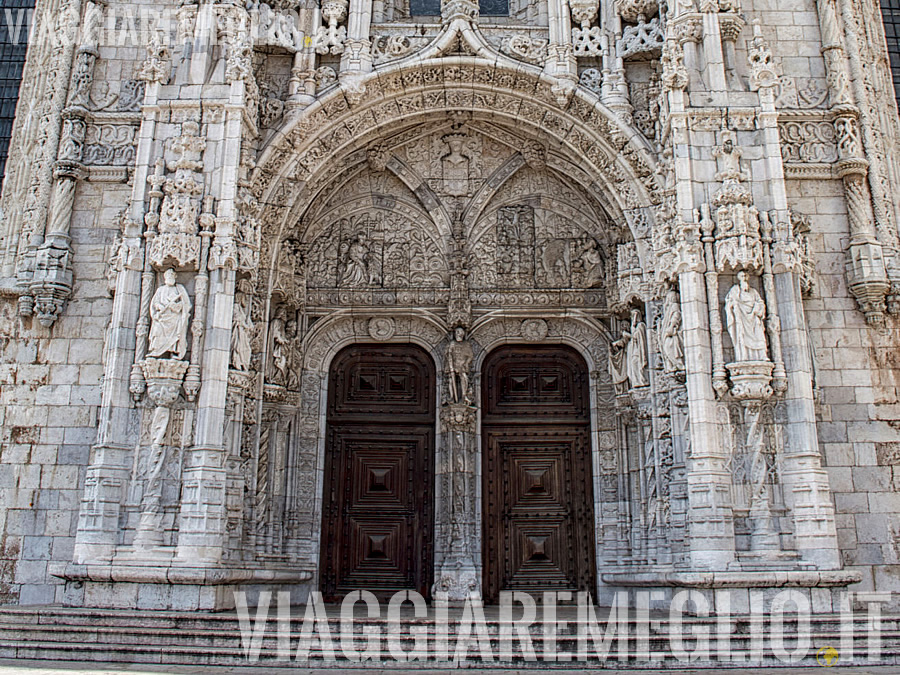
x: 540, y: 234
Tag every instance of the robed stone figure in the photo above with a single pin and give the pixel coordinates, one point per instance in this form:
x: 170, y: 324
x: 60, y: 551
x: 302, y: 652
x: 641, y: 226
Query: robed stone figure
x: 628, y: 355
x: 169, y: 311
x: 745, y: 312
x: 671, y: 347
x: 459, y: 363
x: 636, y: 350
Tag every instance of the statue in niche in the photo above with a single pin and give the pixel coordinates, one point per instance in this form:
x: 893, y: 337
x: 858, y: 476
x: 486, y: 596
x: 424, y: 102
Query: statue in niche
x: 455, y: 166
x: 617, y: 367
x: 745, y: 312
x: 241, y: 334
x: 671, y: 346
x: 354, y: 258
x: 628, y: 355
x: 280, y: 346
x: 459, y: 363
x: 729, y: 156
x: 169, y: 310
x: 636, y: 350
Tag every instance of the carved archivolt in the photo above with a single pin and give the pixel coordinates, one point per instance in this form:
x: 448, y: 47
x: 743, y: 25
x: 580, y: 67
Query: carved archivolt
x: 331, y: 335
x: 590, y: 337
x: 308, y: 153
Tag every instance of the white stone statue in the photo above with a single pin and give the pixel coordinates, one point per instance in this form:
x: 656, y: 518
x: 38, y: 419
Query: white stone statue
x: 169, y: 311
x: 671, y: 346
x: 745, y: 312
x: 280, y: 346
x: 240, y: 336
x: 636, y: 350
x: 617, y: 369
x: 459, y: 363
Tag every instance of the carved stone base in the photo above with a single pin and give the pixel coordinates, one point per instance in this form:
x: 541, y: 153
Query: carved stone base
x: 456, y: 583
x: 186, y: 588
x: 164, y: 377
x: 751, y: 380
x: 149, y: 535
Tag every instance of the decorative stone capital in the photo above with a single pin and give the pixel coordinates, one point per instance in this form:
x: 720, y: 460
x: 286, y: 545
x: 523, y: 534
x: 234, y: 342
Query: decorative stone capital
x: 157, y: 66
x: 584, y: 11
x: 688, y: 252
x: 635, y: 10
x: 51, y: 284
x: 868, y: 280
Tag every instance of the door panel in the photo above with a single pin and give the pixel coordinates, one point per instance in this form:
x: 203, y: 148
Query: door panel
x: 377, y: 515
x: 538, y: 508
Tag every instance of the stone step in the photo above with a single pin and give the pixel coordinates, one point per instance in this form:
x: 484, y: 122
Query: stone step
x: 223, y: 656
x: 229, y: 620
x: 199, y: 636
x: 195, y: 638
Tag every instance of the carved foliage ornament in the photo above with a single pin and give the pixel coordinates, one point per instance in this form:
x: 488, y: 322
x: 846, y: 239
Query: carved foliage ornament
x: 525, y: 47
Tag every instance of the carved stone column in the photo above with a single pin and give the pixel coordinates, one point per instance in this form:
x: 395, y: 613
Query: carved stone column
x: 202, y: 517
x: 805, y: 481
x: 708, y: 481
x: 458, y: 577
x: 110, y: 463
x: 52, y: 190
x: 51, y: 283
x: 866, y: 271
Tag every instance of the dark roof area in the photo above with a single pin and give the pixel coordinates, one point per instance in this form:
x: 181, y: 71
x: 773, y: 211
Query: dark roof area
x: 14, y: 25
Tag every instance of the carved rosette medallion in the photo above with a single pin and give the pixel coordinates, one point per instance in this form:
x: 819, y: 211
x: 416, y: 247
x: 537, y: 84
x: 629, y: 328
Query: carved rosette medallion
x: 382, y: 328
x: 534, y: 330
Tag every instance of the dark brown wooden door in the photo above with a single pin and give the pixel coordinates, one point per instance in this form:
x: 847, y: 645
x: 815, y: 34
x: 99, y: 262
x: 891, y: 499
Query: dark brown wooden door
x: 379, y: 472
x: 537, y: 485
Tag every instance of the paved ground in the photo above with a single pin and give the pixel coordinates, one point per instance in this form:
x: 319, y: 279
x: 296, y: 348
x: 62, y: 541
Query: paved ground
x: 69, y: 668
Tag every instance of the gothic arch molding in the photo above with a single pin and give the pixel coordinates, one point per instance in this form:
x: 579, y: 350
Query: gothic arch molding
x: 318, y: 144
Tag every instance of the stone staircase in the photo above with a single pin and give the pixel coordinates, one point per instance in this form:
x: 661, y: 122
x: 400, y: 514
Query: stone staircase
x: 204, y: 639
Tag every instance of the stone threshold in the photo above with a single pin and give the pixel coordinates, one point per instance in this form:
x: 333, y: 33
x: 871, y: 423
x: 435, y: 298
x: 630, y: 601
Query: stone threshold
x: 761, y: 579
x: 148, y: 574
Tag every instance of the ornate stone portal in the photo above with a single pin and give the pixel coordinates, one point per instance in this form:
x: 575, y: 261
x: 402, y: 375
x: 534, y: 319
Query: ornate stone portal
x: 457, y: 190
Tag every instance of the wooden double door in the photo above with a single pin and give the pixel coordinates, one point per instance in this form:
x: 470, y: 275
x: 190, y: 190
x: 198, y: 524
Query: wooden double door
x: 537, y: 496
x: 378, y: 513
x: 378, y: 502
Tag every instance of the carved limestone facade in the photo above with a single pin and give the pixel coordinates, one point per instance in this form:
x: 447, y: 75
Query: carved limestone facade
x: 188, y: 240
